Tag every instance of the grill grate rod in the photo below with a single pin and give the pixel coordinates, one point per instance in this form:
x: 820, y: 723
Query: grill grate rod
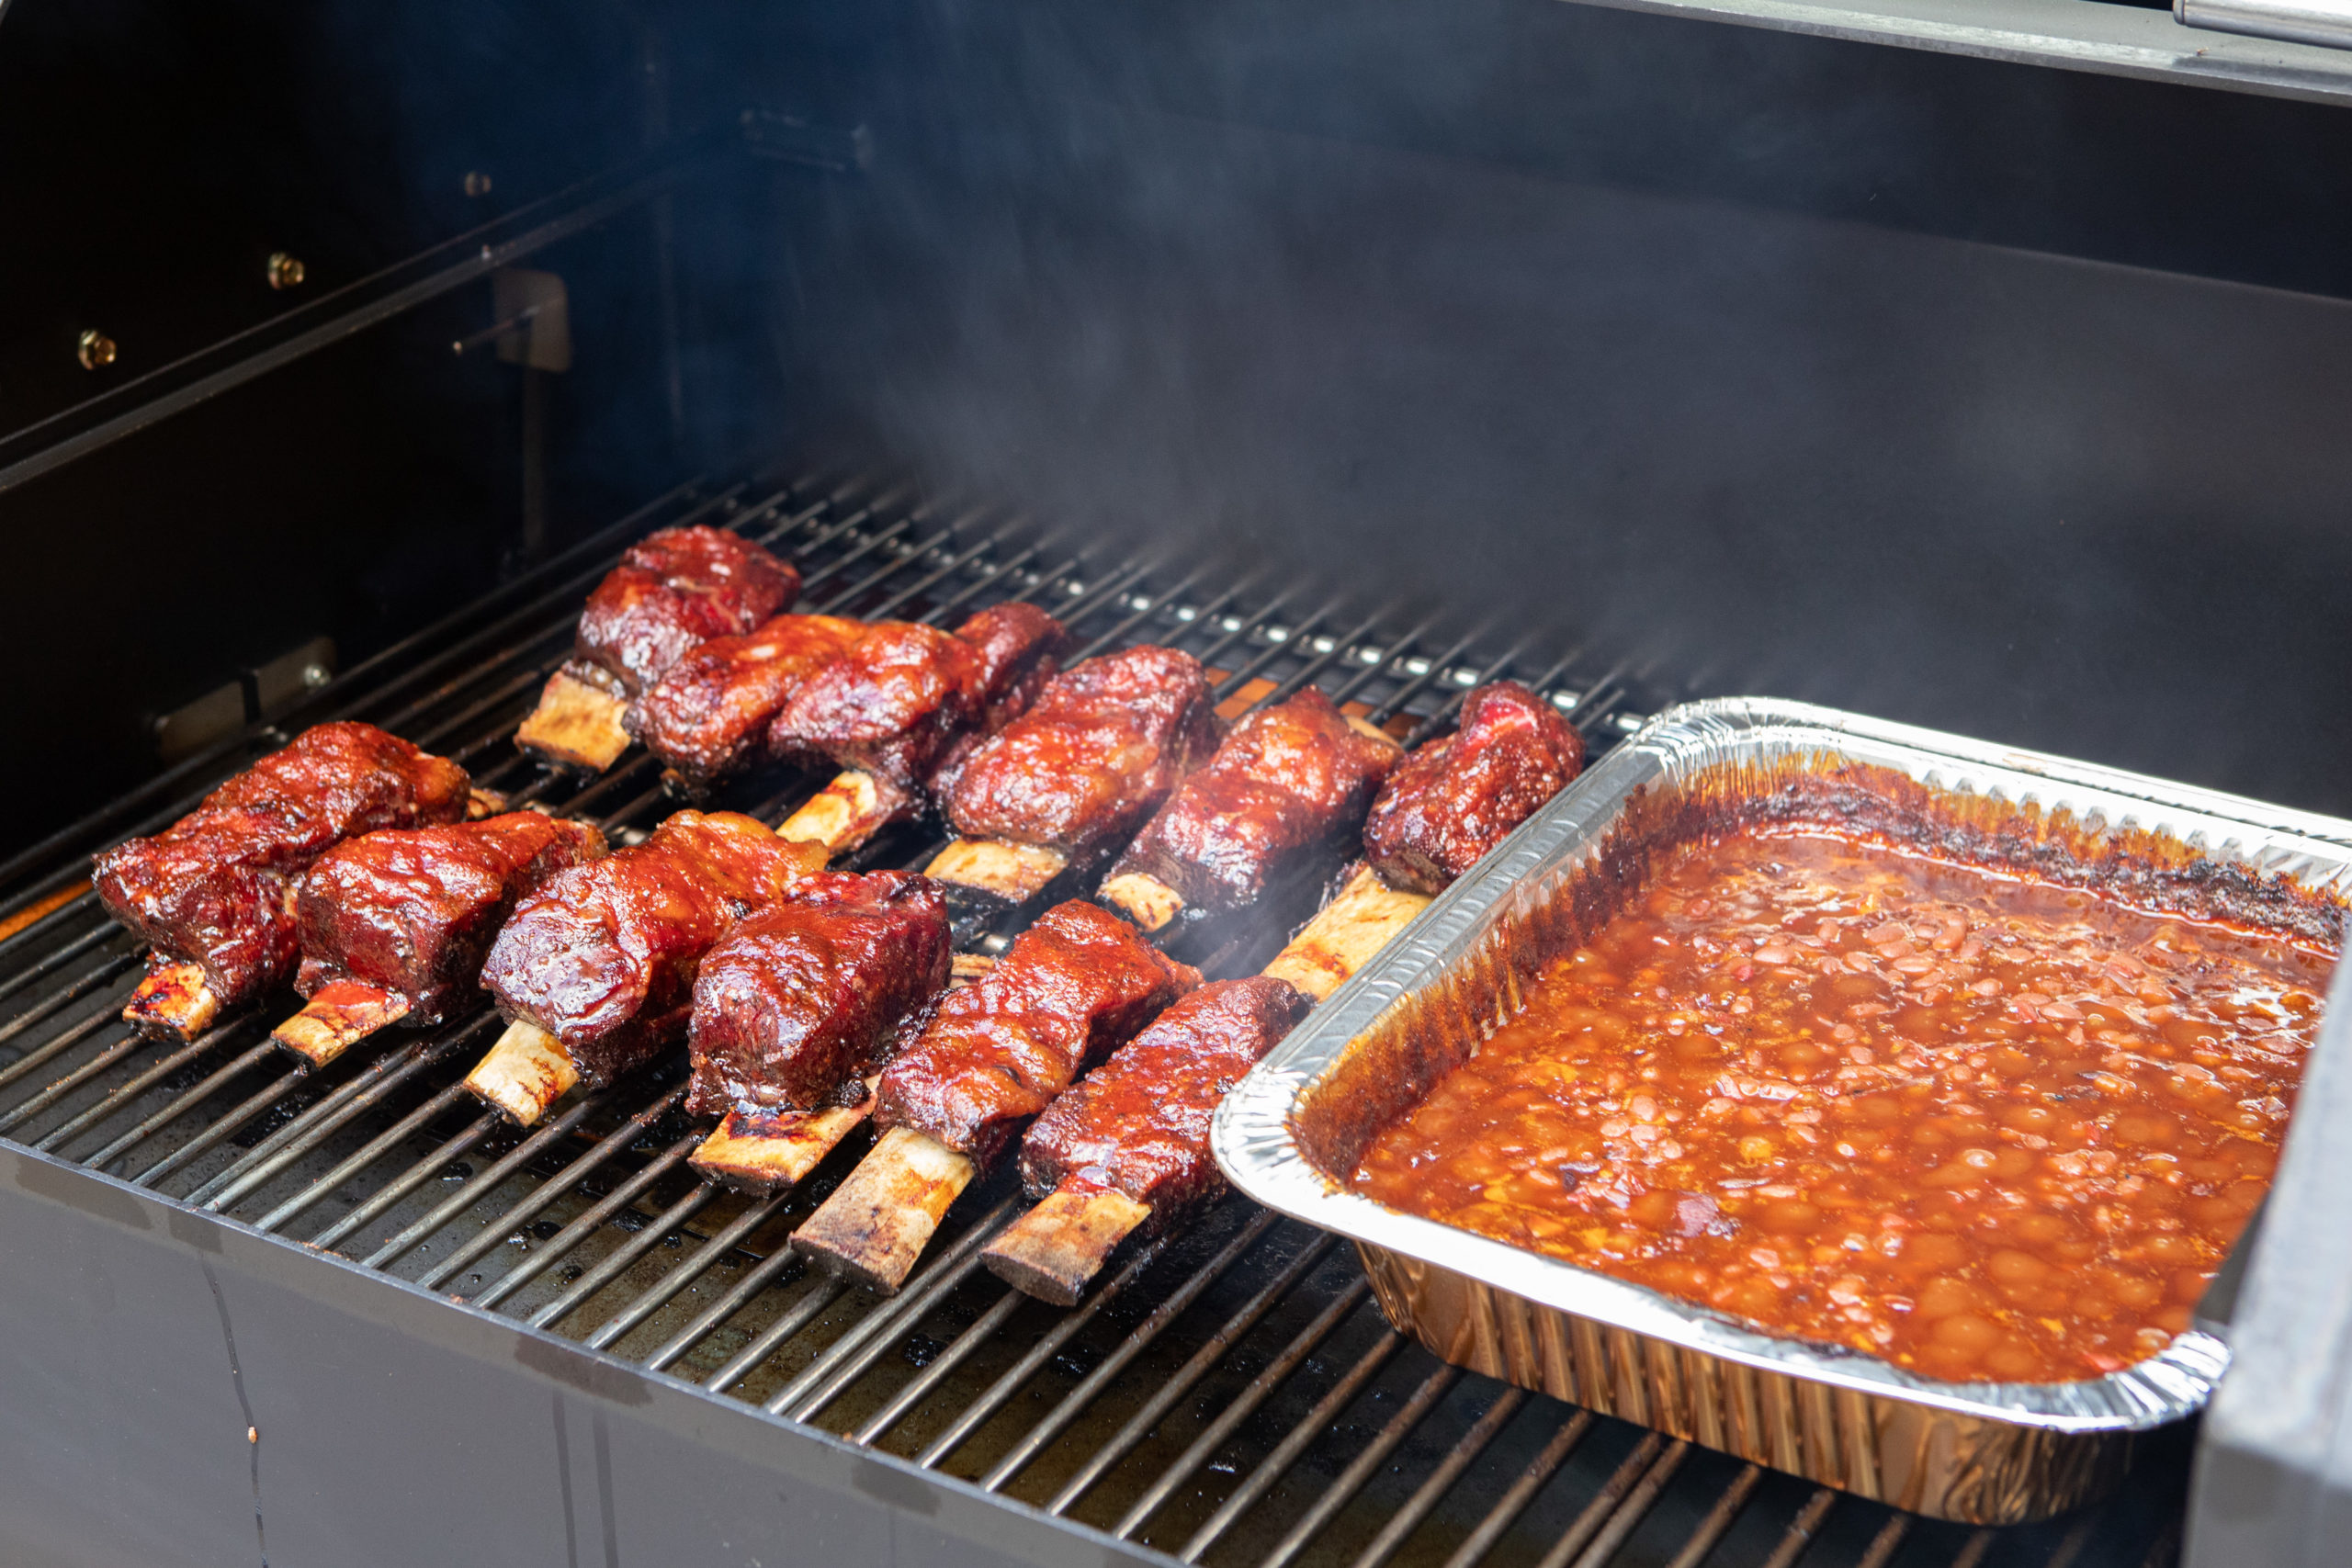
x: 1610, y: 1531
x: 75, y: 1125
x: 1316, y: 665
x: 360, y: 1094
x: 366, y: 1155
x: 409, y: 1180
x: 38, y: 916
x: 96, y: 937
x: 1604, y: 1504
x: 1719, y: 1518
x: 953, y: 564
x: 1302, y: 1344
x: 982, y: 1330
x: 1153, y: 605
x: 940, y: 609
x: 485, y: 1181
x: 1379, y: 661
x: 1276, y: 647
x: 1801, y: 1529
x: 1883, y: 1545
x: 1048, y: 1345
x: 1205, y: 1360
x: 105, y: 974
x: 1238, y: 630
x: 1274, y: 1466
x: 1342, y: 1492
x: 1522, y: 1490
x: 824, y: 1379
x: 646, y: 1237
x: 1144, y: 1332
x: 253, y: 1105
x: 64, y: 1040
x: 307, y: 1131
x: 1431, y: 672
x: 687, y: 1271
x: 521, y: 1212
x: 514, y: 688
x: 1417, y: 1508
x: 73, y: 1081
x: 787, y: 1327
x: 1104, y: 592
x: 711, y: 1317
x: 185, y: 1102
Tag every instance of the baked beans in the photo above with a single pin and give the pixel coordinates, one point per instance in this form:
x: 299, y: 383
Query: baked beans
x: 1984, y: 1128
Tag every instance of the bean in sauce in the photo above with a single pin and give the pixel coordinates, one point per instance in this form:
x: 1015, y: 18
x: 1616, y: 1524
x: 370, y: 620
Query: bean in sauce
x: 1984, y: 1128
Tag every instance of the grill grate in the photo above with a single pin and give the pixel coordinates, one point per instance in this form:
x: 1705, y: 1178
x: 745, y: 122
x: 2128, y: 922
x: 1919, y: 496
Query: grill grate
x: 1231, y: 1396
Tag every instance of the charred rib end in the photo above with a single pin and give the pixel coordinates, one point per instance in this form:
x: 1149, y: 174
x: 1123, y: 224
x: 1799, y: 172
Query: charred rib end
x: 175, y: 1002
x: 1146, y: 900
x: 524, y: 1073
x: 874, y: 1227
x: 575, y: 725
x: 341, y: 1014
x: 766, y: 1153
x: 1054, y: 1249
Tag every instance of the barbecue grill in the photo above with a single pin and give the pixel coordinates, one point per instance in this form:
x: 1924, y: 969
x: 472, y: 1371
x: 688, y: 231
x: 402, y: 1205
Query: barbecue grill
x: 345, y: 1316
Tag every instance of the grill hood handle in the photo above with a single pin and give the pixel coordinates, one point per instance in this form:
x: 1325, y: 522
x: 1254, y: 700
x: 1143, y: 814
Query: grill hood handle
x: 2327, y: 23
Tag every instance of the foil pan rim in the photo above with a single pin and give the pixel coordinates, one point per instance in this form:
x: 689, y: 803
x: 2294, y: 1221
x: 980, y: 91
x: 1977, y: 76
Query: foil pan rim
x: 1254, y: 1139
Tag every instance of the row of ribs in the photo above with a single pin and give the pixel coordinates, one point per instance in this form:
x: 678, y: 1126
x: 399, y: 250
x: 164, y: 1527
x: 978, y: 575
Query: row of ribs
x: 673, y: 591
x: 809, y: 999
x: 686, y: 647
x: 394, y: 926
x: 214, y: 894
x: 1125, y: 1151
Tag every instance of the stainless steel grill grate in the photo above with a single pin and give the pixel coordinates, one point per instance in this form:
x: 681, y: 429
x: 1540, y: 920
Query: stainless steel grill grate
x: 1232, y: 1396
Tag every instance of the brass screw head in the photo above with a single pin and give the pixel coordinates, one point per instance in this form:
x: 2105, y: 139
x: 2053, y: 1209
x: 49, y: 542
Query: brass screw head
x: 477, y: 183
x: 95, y: 350
x: 285, y: 271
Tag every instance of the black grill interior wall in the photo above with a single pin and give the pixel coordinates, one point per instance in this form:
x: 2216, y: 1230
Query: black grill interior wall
x: 153, y: 157
x: 1982, y: 395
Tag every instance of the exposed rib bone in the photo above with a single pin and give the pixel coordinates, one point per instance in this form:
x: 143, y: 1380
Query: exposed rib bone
x: 524, y: 1073
x: 1146, y: 900
x: 765, y: 1153
x: 1016, y: 872
x: 342, y: 1013
x: 1362, y: 919
x: 876, y: 1224
x: 1054, y: 1249
x: 576, y: 725
x: 847, y: 812
x: 175, y: 1002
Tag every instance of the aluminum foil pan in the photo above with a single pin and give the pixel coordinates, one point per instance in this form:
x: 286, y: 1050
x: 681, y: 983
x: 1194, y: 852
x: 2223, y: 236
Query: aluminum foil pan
x: 1979, y: 1453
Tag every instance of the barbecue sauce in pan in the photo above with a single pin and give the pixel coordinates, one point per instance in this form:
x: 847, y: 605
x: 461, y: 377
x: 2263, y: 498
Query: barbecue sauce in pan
x: 1980, y: 1126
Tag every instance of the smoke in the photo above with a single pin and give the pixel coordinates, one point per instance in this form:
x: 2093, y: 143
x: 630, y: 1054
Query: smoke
x: 1752, y: 362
